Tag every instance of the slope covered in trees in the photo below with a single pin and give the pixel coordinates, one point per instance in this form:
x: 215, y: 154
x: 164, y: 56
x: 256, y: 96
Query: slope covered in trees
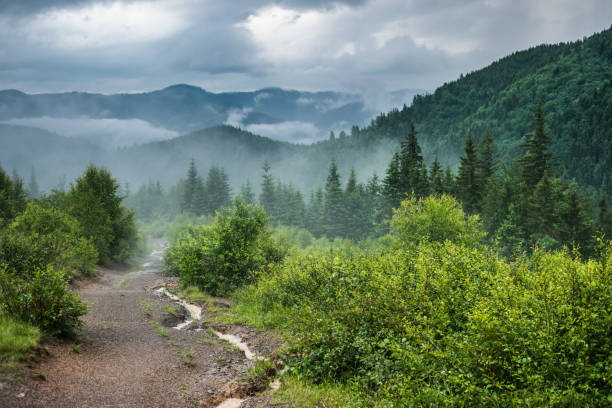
x: 571, y: 80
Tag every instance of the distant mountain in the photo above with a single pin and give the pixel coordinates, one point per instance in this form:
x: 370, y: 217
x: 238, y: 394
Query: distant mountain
x: 572, y: 80
x: 287, y: 115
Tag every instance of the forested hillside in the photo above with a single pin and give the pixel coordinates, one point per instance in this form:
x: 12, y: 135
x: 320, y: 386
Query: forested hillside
x: 573, y: 81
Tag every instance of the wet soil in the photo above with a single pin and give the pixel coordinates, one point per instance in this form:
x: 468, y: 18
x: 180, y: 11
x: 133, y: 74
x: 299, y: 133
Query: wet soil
x: 130, y: 355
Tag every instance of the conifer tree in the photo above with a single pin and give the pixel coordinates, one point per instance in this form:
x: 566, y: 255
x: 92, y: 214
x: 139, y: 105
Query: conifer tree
x: 487, y: 159
x: 468, y: 187
x: 191, y: 185
x: 392, y: 189
x: 246, y: 192
x: 199, y: 202
x: 412, y: 176
x: 267, y: 197
x: 436, y: 178
x: 575, y: 223
x: 33, y: 184
x: 450, y: 186
x: 217, y: 190
x: 334, y: 203
x: 604, y: 224
x: 537, y: 157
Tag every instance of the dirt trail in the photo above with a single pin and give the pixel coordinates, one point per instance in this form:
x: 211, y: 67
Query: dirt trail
x: 123, y: 360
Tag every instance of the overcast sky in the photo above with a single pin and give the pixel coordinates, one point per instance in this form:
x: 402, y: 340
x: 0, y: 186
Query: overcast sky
x: 225, y: 45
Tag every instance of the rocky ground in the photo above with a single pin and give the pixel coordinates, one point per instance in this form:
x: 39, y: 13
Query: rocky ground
x: 130, y: 355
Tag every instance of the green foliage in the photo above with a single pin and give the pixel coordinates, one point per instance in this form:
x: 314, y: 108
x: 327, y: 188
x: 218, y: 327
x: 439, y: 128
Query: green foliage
x: 12, y: 197
x: 95, y: 202
x: 41, y: 236
x: 226, y: 255
x: 445, y: 322
x: 41, y: 296
x: 17, y: 339
x: 435, y: 219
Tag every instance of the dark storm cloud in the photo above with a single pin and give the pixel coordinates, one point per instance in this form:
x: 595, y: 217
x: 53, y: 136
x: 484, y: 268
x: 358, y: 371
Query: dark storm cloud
x: 363, y: 45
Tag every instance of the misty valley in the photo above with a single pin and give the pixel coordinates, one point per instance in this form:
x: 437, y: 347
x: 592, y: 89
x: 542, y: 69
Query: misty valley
x: 282, y: 248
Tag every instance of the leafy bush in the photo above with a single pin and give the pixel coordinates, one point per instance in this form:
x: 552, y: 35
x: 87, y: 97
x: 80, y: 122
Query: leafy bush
x: 445, y: 323
x: 41, y: 236
x: 40, y: 296
x: 226, y: 255
x: 94, y: 201
x: 435, y: 219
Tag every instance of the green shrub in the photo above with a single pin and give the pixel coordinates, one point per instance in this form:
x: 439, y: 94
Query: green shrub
x: 40, y: 296
x: 41, y: 236
x: 435, y: 219
x: 226, y: 255
x: 442, y: 324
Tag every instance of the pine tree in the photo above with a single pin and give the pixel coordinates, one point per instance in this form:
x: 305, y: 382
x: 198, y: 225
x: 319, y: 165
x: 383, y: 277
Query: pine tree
x: 352, y: 207
x: 450, y: 185
x: 392, y: 188
x: 537, y: 157
x: 33, y: 184
x: 246, y: 192
x: 334, y: 203
x: 190, y: 187
x: 543, y: 214
x: 217, y: 190
x: 487, y: 159
x: 604, y: 224
x: 436, y: 178
x: 468, y: 188
x: 575, y: 224
x: 267, y: 197
x: 412, y: 177
x: 199, y: 202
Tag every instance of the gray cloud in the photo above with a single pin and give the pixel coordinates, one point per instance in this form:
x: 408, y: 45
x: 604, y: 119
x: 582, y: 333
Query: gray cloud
x: 370, y: 46
x: 108, y: 133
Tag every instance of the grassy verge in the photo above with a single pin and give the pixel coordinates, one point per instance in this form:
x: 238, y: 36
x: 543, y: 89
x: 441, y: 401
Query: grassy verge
x: 17, y: 341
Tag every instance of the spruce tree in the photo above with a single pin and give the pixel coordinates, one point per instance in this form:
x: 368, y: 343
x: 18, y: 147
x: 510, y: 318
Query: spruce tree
x: 468, y: 186
x: 392, y: 188
x: 436, y: 178
x: 575, y: 224
x: 33, y: 184
x: 246, y: 192
x: 191, y: 184
x: 487, y: 159
x: 217, y: 190
x: 412, y: 177
x: 334, y: 203
x: 267, y: 197
x: 604, y: 220
x: 537, y: 157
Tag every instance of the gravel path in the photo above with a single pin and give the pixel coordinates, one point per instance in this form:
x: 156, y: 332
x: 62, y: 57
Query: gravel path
x: 123, y: 361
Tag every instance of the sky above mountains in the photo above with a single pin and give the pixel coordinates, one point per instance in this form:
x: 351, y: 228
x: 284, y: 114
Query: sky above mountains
x: 362, y: 46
